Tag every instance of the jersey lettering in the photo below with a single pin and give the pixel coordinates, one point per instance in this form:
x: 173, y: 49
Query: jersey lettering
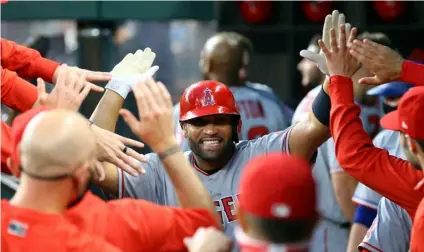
x: 256, y: 132
x: 251, y: 108
x: 228, y: 205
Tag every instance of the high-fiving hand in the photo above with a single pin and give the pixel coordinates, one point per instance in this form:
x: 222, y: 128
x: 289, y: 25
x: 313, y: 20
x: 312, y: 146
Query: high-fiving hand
x: 126, y: 73
x: 114, y: 149
x: 68, y: 93
x: 384, y: 62
x: 339, y: 61
x: 88, y: 75
x: 331, y: 21
x: 156, y: 125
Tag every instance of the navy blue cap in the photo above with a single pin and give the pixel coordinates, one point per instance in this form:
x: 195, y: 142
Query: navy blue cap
x: 395, y: 88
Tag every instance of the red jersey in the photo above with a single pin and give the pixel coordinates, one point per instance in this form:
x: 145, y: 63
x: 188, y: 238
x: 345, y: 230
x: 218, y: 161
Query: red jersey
x: 136, y: 225
x: 392, y: 177
x: 25, y: 61
x: 17, y: 93
x: 25, y: 230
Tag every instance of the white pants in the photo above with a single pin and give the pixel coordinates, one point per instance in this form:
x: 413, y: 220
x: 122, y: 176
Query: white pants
x: 329, y: 237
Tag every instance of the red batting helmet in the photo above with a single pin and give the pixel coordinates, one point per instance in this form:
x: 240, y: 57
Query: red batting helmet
x: 208, y: 98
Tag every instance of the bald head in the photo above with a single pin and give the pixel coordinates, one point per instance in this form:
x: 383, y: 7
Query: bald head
x: 56, y: 142
x: 225, y: 54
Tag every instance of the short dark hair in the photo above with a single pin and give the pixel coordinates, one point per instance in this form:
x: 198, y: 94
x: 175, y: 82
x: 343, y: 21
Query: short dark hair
x: 314, y: 40
x: 278, y: 231
x: 377, y: 37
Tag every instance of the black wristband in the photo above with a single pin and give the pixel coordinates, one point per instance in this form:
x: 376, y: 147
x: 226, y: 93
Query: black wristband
x: 321, y: 107
x: 168, y: 152
x: 90, y: 122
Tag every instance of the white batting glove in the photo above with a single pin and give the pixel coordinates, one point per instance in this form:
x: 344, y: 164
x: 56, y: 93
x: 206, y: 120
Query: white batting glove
x: 133, y: 67
x: 331, y: 21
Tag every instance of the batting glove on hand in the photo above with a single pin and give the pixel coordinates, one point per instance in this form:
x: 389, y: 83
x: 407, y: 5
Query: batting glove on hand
x: 133, y: 67
x: 331, y: 21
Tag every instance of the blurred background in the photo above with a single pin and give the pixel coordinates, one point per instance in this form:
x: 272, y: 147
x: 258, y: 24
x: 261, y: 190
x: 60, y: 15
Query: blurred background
x: 97, y: 34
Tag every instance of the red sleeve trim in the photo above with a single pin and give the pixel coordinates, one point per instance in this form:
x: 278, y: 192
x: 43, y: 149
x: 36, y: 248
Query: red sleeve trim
x: 366, y: 250
x: 412, y: 73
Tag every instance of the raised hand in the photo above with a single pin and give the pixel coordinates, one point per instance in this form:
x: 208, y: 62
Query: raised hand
x: 133, y: 67
x: 68, y: 93
x: 339, y: 61
x: 331, y: 21
x: 384, y: 62
x: 114, y: 149
x: 88, y: 75
x: 156, y: 125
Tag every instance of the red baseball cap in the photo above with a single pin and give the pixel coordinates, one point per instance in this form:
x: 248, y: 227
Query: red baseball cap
x: 278, y: 186
x: 18, y: 128
x: 409, y: 117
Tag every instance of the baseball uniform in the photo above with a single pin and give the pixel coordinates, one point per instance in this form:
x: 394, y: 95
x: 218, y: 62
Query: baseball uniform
x: 388, y: 140
x: 261, y: 112
x: 332, y: 232
x: 390, y: 231
x: 156, y: 186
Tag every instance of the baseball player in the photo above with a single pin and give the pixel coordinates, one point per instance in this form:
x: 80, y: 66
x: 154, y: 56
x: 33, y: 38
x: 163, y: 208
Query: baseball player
x: 390, y: 230
x: 276, y: 208
x: 210, y: 120
x: 392, y: 177
x: 334, y: 187
x: 225, y: 58
x: 276, y: 205
x: 56, y: 172
x: 365, y: 198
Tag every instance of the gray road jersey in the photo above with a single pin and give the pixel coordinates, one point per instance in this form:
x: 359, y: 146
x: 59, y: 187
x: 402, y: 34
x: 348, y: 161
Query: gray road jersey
x: 388, y: 140
x: 261, y: 112
x: 390, y: 231
x: 156, y: 186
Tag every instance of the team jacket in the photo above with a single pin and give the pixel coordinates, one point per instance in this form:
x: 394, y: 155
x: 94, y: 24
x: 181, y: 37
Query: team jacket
x: 19, y: 61
x: 392, y: 177
x: 127, y: 225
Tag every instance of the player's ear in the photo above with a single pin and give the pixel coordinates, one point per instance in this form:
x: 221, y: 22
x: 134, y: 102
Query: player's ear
x: 183, y: 127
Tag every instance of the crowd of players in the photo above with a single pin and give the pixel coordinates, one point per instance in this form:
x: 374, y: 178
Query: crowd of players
x: 232, y: 168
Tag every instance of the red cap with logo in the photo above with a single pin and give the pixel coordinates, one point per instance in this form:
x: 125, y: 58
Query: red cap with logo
x: 18, y: 128
x: 278, y: 186
x: 409, y: 117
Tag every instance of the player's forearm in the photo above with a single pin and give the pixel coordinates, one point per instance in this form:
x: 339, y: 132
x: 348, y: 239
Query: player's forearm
x: 312, y: 131
x: 189, y: 189
x: 357, y: 234
x: 26, y: 62
x: 107, y: 111
x: 17, y: 93
x: 344, y: 186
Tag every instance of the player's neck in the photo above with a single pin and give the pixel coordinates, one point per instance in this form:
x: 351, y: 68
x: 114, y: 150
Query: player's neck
x: 41, y: 197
